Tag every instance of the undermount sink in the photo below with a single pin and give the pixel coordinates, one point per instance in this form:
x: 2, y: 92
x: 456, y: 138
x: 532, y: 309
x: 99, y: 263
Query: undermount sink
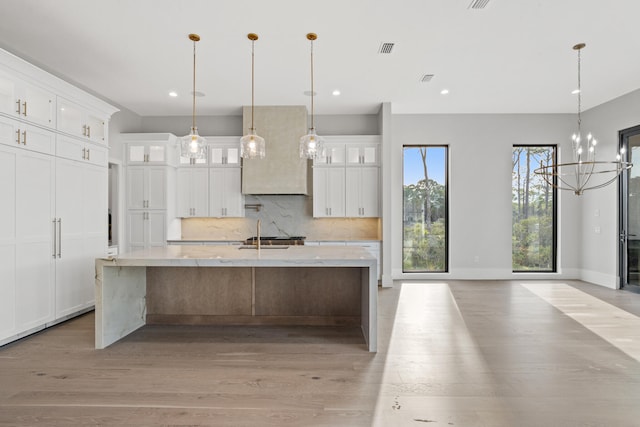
x: 264, y: 247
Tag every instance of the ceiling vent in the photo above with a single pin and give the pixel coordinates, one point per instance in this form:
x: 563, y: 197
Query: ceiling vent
x: 426, y: 78
x: 478, y: 4
x: 386, y: 48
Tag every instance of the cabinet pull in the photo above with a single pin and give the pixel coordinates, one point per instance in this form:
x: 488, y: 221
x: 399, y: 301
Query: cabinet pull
x: 18, y: 136
x: 88, y: 131
x: 55, y: 235
x: 88, y: 154
x: 84, y: 130
x: 24, y: 105
x: 59, y: 237
x: 24, y: 137
x: 18, y: 105
x: 84, y: 150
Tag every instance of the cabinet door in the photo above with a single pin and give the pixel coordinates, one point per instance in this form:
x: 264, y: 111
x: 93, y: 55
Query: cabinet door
x: 136, y: 224
x: 8, y: 95
x: 362, y: 186
x: 37, y: 105
x: 184, y: 193
x: 95, y: 130
x: 34, y: 243
x: 216, y: 192
x: 200, y: 191
x: 156, y: 187
x: 69, y: 211
x: 136, y: 198
x: 328, y: 192
x: 334, y: 154
x: 156, y: 228
x: 70, y: 118
x: 234, y: 205
x: 37, y: 139
x: 8, y: 163
x: 9, y: 132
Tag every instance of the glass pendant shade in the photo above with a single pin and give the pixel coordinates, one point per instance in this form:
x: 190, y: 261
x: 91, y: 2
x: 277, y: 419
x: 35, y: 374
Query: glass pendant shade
x: 192, y: 146
x: 311, y: 145
x: 252, y: 146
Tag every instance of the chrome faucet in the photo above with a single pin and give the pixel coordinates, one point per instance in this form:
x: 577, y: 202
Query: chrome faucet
x: 258, y: 234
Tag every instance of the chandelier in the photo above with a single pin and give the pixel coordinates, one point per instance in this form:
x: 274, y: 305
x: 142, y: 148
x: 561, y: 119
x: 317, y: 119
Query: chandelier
x: 192, y: 146
x: 252, y: 146
x: 311, y: 145
x: 584, y: 172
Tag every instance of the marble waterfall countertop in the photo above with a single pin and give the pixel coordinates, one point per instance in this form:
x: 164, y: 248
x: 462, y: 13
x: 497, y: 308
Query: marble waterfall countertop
x: 234, y: 255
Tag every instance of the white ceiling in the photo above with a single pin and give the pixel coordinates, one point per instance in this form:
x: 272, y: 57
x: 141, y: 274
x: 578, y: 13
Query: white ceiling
x: 514, y: 56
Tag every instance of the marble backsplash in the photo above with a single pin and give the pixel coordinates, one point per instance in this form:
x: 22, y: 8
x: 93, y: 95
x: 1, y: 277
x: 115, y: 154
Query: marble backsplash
x: 281, y: 216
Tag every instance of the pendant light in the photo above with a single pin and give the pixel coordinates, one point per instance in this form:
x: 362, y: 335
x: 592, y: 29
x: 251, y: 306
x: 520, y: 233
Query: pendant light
x: 193, y: 145
x: 584, y: 172
x: 252, y: 146
x: 311, y: 145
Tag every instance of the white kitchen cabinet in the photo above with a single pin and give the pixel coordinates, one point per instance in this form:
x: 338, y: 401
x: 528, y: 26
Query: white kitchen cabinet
x: 86, y: 152
x: 39, y: 219
x: 225, y: 194
x: 147, y: 187
x: 362, y: 191
x: 193, y: 192
x: 151, y: 149
x: 26, y: 241
x: 146, y: 229
x: 81, y: 216
x: 334, y: 154
x: 20, y: 99
x: 363, y: 154
x: 328, y: 192
x: 77, y: 120
x: 22, y: 135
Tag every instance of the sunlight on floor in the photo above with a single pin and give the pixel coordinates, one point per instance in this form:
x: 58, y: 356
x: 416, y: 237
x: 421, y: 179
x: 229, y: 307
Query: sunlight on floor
x: 620, y: 328
x: 434, y: 371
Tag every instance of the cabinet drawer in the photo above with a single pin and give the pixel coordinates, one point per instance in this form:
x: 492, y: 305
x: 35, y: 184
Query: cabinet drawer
x: 75, y: 149
x: 22, y: 135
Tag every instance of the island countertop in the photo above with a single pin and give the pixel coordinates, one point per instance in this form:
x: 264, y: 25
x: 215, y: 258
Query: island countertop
x: 234, y: 255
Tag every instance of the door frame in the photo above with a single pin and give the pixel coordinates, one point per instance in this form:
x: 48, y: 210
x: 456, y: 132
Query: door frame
x: 623, y: 185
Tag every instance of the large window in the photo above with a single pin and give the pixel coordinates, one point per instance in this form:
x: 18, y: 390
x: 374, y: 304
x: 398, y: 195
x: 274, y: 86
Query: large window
x: 425, y: 229
x: 533, y: 211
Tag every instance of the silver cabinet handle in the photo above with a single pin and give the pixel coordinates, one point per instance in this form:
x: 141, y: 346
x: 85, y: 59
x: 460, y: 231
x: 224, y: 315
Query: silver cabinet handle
x: 55, y: 235
x: 59, y: 237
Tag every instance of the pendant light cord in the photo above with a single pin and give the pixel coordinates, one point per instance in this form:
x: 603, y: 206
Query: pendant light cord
x: 312, y: 126
x: 194, y: 84
x: 252, y: 81
x: 579, y: 95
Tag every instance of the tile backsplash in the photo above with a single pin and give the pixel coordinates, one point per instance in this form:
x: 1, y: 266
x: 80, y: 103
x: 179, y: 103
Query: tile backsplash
x: 281, y: 216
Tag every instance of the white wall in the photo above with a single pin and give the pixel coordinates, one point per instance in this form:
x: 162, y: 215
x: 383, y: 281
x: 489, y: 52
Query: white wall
x: 480, y: 149
x: 599, y: 251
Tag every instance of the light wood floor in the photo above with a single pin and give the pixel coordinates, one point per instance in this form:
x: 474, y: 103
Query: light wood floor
x: 457, y: 353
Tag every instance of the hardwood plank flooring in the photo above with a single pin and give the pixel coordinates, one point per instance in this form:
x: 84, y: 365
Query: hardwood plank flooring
x: 455, y: 353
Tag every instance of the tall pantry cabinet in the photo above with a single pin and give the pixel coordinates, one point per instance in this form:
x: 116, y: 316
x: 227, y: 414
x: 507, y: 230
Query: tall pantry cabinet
x: 53, y: 187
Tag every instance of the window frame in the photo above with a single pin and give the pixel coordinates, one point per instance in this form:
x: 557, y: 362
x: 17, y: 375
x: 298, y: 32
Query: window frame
x: 554, y: 228
x: 446, y: 208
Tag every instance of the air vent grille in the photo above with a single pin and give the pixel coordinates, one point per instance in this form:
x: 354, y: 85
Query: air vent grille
x: 426, y: 78
x: 386, y: 48
x: 478, y: 4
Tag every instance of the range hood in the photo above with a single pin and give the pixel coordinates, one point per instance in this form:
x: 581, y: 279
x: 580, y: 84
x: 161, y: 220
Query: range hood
x: 282, y: 171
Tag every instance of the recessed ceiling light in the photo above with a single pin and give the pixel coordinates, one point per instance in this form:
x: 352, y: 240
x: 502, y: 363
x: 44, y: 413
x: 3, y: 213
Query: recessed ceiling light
x: 336, y: 92
x: 444, y: 91
x: 575, y: 91
x: 173, y: 94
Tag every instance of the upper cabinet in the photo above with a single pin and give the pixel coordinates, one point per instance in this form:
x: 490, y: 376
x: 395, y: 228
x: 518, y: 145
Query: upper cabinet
x: 350, y: 150
x: 26, y: 101
x: 76, y: 120
x: 224, y: 151
x: 334, y: 155
x: 151, y: 148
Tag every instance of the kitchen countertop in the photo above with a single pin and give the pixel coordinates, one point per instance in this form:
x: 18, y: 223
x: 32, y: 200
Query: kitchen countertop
x: 232, y: 255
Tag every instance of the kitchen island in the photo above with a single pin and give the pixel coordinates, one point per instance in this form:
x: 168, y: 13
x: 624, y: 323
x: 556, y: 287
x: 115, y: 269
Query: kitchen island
x: 294, y: 285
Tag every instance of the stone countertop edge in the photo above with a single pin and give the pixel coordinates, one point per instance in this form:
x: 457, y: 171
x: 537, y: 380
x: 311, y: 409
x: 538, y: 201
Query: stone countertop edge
x: 211, y: 256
